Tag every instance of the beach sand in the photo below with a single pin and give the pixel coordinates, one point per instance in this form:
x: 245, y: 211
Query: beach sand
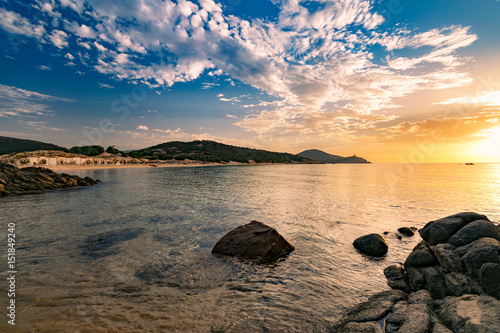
x: 114, y: 166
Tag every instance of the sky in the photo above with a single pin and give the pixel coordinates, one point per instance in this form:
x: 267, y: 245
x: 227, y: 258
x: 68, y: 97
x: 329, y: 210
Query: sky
x: 392, y: 81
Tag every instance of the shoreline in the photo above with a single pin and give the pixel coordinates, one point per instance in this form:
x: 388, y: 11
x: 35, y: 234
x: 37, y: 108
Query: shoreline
x: 128, y: 166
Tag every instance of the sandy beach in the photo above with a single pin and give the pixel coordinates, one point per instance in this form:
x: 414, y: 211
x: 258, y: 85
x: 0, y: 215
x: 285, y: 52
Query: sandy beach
x: 123, y: 166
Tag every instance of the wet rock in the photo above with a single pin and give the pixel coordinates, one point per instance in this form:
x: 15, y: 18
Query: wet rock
x: 372, y: 245
x: 471, y: 313
x: 489, y: 276
x: 30, y: 180
x: 406, y: 231
x: 396, y: 278
x: 448, y: 257
x: 474, y: 231
x: 480, y: 252
x: 100, y: 245
x: 255, y: 241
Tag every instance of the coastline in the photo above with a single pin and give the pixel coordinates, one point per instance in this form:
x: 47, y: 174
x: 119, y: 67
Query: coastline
x: 127, y: 166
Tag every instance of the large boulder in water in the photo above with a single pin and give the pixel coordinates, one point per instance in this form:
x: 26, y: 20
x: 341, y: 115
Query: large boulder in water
x: 255, y: 241
x: 372, y: 245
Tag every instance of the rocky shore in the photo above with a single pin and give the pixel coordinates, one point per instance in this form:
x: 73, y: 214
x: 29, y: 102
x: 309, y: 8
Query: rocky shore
x: 450, y: 282
x: 35, y: 179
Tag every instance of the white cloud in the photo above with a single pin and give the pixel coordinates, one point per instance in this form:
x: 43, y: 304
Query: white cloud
x: 59, y: 39
x: 44, y: 68
x: 142, y: 127
x: 21, y: 104
x: 16, y: 24
x: 69, y: 56
x: 486, y: 98
x: 104, y: 85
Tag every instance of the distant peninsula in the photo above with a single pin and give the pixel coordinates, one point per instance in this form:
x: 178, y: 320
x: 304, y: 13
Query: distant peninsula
x: 322, y: 157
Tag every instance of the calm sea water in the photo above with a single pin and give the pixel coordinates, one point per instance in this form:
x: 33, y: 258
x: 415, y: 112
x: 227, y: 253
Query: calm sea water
x: 320, y: 209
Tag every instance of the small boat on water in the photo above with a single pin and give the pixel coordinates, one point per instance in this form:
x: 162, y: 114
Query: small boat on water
x: 469, y: 163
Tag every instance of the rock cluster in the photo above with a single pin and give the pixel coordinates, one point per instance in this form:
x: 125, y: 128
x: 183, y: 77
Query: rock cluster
x: 450, y: 282
x: 29, y: 180
x: 255, y: 241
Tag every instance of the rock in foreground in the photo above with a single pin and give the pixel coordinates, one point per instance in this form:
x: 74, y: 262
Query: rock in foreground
x: 30, y: 180
x: 255, y: 241
x: 450, y: 279
x: 372, y: 245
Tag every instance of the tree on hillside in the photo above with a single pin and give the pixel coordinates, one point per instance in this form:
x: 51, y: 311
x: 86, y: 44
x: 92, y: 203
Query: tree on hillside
x: 87, y: 150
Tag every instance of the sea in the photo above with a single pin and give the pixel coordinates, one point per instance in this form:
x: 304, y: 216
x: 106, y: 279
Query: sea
x: 179, y: 214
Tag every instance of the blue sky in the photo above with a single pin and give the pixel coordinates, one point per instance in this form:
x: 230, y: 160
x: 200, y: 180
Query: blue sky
x: 375, y: 78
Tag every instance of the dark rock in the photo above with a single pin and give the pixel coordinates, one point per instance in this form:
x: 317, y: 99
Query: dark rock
x: 418, y: 320
x: 458, y: 284
x: 489, y: 276
x: 448, y: 257
x: 421, y: 256
x: 396, y: 278
x: 415, y: 277
x: 30, y: 180
x: 480, y: 252
x: 471, y: 313
x: 372, y: 310
x: 434, y: 281
x: 406, y: 231
x: 255, y: 241
x: 99, y: 245
x: 474, y: 231
x: 372, y: 245
x: 421, y: 297
x: 439, y: 231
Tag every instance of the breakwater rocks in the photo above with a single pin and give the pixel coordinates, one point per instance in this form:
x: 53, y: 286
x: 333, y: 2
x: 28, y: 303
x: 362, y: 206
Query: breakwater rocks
x: 30, y: 180
x: 450, y: 282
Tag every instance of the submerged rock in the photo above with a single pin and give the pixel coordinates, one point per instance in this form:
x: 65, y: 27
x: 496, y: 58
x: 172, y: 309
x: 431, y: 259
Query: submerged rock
x: 35, y: 179
x: 99, y: 245
x: 255, y: 241
x: 372, y: 245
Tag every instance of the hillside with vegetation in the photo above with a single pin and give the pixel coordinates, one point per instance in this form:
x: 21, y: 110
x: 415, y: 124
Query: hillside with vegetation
x: 12, y: 145
x: 321, y: 156
x: 211, y: 151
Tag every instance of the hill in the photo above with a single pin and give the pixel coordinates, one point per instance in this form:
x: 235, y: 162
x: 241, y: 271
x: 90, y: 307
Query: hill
x: 212, y: 151
x: 321, y: 156
x: 13, y: 145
